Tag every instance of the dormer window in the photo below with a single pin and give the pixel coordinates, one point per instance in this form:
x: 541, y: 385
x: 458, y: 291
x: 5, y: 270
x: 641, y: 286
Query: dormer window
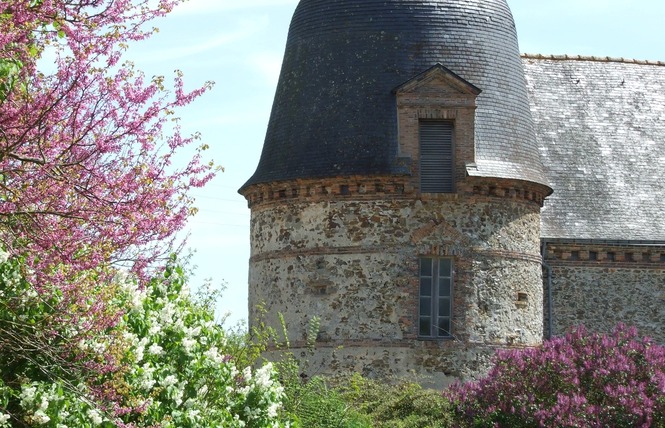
x: 436, y: 116
x: 437, y: 160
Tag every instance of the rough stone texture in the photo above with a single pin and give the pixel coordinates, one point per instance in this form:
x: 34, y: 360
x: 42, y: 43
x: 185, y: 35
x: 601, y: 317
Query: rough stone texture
x: 354, y: 263
x: 602, y: 285
x: 421, y: 361
x: 334, y: 112
x: 601, y: 132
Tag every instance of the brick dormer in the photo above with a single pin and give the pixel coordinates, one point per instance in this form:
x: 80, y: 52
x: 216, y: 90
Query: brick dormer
x: 436, y: 112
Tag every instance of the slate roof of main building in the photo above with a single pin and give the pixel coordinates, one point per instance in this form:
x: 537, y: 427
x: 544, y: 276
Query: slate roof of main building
x: 600, y: 125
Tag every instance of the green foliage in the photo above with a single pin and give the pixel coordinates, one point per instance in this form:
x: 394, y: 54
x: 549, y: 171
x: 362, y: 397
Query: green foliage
x: 348, y: 402
x: 314, y: 404
x: 178, y: 366
x: 357, y: 402
x: 9, y: 70
x: 39, y: 375
x: 28, y: 341
x: 308, y: 403
x: 313, y: 328
x: 400, y: 405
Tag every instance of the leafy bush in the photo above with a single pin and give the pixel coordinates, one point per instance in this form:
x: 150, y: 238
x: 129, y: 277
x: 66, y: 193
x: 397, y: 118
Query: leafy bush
x: 349, y: 401
x: 180, y: 364
x: 401, y: 405
x: 309, y: 403
x: 582, y: 379
x: 165, y: 363
x: 357, y: 402
x: 314, y: 404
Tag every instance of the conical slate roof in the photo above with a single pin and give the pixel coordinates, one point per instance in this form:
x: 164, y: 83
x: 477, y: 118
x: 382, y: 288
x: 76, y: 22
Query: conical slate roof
x: 334, y: 112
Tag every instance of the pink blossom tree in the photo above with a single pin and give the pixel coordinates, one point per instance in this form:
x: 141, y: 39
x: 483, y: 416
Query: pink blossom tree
x: 87, y: 178
x: 89, y: 185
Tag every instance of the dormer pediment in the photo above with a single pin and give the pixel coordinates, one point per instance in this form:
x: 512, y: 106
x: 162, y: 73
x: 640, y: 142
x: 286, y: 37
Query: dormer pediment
x: 438, y: 80
x: 436, y: 112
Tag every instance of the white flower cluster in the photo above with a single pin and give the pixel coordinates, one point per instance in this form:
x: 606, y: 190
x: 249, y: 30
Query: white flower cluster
x: 45, y: 402
x: 4, y: 256
x: 4, y: 420
x: 177, y: 370
x: 10, y: 278
x: 37, y: 404
x: 261, y: 390
x: 187, y: 374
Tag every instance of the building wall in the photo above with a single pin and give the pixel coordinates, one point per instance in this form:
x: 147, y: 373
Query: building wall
x: 599, y: 286
x: 352, y: 260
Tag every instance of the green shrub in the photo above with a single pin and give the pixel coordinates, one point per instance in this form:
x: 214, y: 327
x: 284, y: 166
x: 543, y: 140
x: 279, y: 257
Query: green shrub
x: 351, y: 401
x: 316, y: 405
x: 401, y: 405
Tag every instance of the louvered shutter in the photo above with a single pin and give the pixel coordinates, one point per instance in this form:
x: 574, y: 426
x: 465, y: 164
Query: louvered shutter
x: 436, y: 157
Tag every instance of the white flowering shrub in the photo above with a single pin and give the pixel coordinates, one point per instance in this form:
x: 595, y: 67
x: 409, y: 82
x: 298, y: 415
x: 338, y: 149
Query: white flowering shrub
x: 168, y: 364
x: 181, y: 368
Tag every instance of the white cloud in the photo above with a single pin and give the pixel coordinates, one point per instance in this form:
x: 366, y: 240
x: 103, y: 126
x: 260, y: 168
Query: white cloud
x: 205, y: 43
x: 268, y: 65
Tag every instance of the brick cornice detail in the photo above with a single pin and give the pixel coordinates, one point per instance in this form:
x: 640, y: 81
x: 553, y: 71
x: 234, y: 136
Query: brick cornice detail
x: 598, y: 255
x: 387, y: 187
x: 406, y: 342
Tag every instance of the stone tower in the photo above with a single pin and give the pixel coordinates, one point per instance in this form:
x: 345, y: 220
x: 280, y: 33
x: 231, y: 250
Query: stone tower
x: 399, y: 191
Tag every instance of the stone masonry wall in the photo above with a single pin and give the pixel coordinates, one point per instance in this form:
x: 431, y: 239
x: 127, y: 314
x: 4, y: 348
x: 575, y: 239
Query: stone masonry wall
x: 600, y: 286
x: 354, y: 264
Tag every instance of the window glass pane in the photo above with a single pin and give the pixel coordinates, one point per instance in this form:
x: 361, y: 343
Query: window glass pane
x: 444, y: 307
x: 444, y: 327
x: 425, y: 326
x: 425, y: 267
x: 444, y: 287
x: 425, y: 306
x: 435, y: 299
x: 425, y: 286
x: 445, y: 267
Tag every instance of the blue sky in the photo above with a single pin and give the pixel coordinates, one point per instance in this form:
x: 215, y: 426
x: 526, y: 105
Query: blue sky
x: 239, y: 45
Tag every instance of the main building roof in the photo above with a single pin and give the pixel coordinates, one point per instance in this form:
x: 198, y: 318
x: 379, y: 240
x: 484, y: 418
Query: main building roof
x: 600, y: 125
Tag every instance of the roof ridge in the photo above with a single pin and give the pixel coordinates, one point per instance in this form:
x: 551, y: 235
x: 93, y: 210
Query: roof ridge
x: 591, y: 58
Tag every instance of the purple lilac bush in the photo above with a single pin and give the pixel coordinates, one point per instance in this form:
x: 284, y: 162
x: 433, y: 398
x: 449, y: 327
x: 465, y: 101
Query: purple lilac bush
x: 580, y: 380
